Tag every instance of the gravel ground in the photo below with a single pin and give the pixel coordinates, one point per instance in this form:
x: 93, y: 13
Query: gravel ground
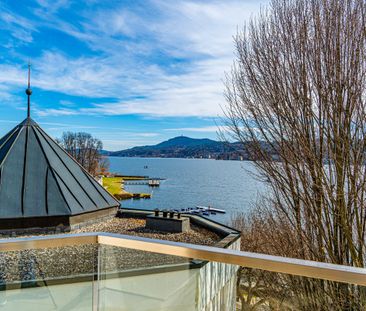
x: 80, y: 260
x: 135, y: 226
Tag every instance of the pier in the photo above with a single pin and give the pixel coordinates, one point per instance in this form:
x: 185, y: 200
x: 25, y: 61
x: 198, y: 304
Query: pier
x: 150, y: 182
x: 115, y: 185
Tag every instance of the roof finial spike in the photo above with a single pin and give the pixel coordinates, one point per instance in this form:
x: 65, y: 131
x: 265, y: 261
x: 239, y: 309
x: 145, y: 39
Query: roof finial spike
x: 28, y: 91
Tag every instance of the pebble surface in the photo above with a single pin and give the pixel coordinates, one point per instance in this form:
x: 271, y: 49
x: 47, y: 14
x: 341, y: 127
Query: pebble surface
x: 136, y: 227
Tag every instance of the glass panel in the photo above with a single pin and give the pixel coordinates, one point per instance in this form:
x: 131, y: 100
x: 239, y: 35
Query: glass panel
x: 48, y: 279
x: 145, y: 281
x: 91, y: 277
x: 263, y: 290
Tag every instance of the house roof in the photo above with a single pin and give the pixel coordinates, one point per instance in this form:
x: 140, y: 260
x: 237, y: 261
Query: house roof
x: 39, y: 178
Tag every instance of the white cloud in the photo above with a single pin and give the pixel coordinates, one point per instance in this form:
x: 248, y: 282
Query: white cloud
x: 53, y: 5
x: 55, y: 112
x: 9, y: 121
x: 147, y: 134
x: 203, y: 27
x: 205, y: 129
x: 11, y: 75
x: 19, y: 27
x: 67, y: 103
x: 195, y: 93
x: 199, y: 33
x: 68, y: 126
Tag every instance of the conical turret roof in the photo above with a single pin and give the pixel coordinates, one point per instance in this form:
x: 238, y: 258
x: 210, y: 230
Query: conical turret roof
x: 38, y: 178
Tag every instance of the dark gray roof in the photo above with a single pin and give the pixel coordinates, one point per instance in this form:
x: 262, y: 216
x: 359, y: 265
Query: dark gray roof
x: 39, y: 178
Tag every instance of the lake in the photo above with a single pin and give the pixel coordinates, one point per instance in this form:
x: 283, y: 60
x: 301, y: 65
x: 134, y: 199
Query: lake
x: 227, y: 185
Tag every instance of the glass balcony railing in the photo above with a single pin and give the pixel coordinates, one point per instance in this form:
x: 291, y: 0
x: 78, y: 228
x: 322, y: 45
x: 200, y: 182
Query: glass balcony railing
x: 100, y: 271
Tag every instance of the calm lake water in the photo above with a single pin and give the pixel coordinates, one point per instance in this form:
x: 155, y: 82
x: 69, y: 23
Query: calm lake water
x: 226, y: 185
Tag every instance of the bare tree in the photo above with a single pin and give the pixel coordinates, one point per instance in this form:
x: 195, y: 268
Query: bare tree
x: 298, y: 84
x: 85, y: 149
x: 104, y: 166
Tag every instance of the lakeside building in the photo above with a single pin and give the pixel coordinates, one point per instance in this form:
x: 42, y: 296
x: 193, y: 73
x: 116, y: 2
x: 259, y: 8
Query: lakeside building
x: 42, y: 186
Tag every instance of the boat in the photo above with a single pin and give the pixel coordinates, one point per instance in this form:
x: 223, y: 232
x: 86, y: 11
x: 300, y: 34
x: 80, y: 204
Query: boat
x: 202, y: 210
x: 211, y: 209
x: 154, y: 183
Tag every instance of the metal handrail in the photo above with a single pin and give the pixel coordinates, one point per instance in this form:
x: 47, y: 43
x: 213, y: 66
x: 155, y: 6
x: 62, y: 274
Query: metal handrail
x: 299, y: 267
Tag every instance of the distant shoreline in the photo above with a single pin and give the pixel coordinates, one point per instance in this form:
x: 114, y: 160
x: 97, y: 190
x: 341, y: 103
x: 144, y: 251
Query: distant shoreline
x: 183, y: 147
x: 181, y: 158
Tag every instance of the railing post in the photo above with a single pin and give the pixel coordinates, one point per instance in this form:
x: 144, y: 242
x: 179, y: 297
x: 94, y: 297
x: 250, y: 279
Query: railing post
x: 96, y: 280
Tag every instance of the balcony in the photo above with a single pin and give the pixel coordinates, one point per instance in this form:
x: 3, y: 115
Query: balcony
x: 103, y: 271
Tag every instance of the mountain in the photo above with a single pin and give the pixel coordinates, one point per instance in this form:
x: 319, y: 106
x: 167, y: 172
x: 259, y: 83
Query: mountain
x: 185, y: 147
x: 183, y: 142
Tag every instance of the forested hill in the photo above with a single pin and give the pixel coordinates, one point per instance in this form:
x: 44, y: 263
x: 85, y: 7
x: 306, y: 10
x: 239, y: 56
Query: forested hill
x: 185, y: 147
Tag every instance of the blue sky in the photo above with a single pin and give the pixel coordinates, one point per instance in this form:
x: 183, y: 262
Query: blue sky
x: 128, y: 72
